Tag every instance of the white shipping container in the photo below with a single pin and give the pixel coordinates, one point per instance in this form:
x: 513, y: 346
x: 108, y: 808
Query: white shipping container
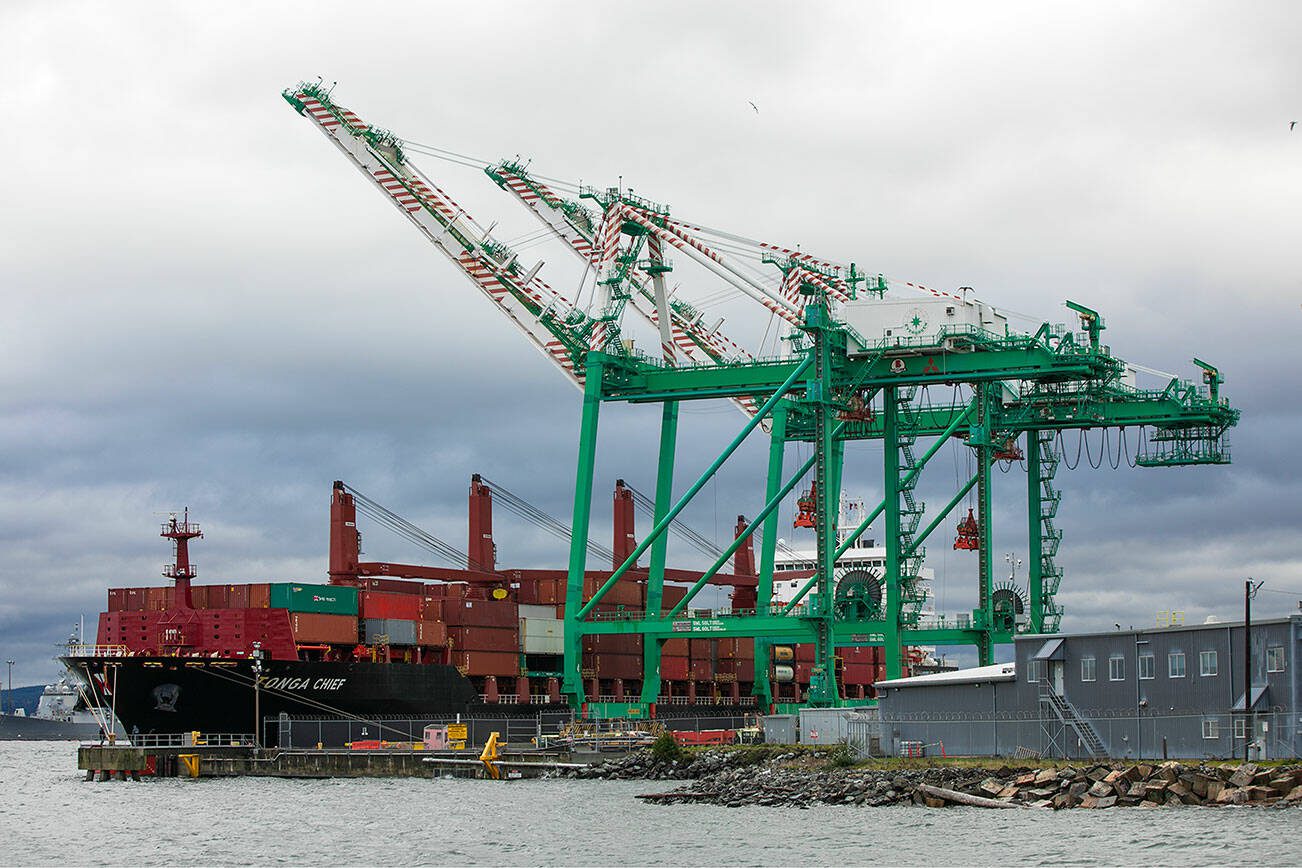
x: 542, y: 635
x: 544, y: 612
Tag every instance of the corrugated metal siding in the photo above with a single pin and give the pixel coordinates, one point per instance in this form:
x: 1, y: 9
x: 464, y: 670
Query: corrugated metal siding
x: 1132, y: 716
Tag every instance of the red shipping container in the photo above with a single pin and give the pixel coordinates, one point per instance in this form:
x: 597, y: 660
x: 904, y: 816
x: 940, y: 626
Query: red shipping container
x: 432, y: 634
x: 478, y: 663
x: 239, y: 596
x: 702, y: 670
x: 484, y: 639
x: 386, y: 604
x: 745, y: 670
x: 551, y: 592
x: 618, y: 666
x: 393, y: 586
x: 614, y: 643
x: 857, y: 673
x: 135, y: 599
x: 673, y: 668
x: 481, y: 613
x: 431, y: 608
x: 199, y: 596
x: 156, y: 599
x: 311, y: 628
x: 675, y: 648
x: 699, y: 649
x: 218, y: 596
x: 626, y: 592
x: 526, y: 593
x: 117, y: 599
x: 260, y: 596
x: 804, y: 653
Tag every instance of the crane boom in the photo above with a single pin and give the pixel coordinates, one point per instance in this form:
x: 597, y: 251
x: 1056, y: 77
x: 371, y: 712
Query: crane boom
x: 549, y: 320
x: 575, y: 226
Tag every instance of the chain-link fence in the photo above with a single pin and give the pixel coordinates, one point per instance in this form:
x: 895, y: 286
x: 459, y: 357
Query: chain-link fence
x: 308, y: 732
x: 1264, y: 735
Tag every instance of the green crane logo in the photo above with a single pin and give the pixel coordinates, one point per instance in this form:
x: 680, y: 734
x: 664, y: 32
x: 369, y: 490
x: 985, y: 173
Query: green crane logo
x: 916, y: 324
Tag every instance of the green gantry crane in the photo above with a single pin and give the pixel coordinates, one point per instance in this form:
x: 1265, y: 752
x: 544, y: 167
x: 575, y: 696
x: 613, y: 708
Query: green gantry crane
x: 860, y: 351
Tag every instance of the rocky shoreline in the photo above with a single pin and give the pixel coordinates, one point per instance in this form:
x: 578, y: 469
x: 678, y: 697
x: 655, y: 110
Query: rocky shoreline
x: 788, y: 777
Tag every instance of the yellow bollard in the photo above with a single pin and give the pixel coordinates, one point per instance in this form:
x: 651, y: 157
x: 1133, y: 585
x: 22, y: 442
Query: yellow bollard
x: 490, y: 756
x: 191, y: 763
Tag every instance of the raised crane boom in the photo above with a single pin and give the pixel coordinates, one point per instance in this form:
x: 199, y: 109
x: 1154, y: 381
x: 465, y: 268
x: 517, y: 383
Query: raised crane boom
x: 577, y: 228
x: 551, y: 322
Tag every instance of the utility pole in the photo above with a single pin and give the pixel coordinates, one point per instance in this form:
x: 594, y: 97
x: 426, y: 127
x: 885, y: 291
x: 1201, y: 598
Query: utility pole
x: 1249, y: 591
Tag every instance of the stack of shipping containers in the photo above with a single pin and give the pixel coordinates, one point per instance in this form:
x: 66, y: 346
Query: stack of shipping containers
x: 503, y: 640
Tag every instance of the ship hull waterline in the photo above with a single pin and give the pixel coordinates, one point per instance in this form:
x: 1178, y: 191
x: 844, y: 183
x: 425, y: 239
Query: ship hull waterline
x: 177, y: 694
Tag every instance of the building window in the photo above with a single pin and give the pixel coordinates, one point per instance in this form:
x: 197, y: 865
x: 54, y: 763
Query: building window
x: 1211, y: 728
x: 1206, y: 662
x: 1145, y: 667
x: 1087, y: 669
x: 1275, y: 658
x: 1175, y: 664
x: 1116, y: 668
x: 1033, y: 671
x: 1240, y: 727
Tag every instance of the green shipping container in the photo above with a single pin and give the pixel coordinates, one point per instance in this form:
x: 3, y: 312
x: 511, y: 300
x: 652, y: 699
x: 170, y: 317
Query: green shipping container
x: 325, y: 599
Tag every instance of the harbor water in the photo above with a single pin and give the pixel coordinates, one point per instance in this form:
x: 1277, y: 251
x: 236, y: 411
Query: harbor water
x: 49, y: 815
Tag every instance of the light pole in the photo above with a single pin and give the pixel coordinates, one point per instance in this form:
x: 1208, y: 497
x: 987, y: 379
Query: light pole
x: 1140, y: 704
x: 257, y: 694
x: 9, y: 694
x: 1249, y: 591
x: 113, y: 706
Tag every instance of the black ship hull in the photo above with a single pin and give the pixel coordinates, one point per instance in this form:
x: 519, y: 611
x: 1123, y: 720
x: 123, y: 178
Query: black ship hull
x: 174, y: 695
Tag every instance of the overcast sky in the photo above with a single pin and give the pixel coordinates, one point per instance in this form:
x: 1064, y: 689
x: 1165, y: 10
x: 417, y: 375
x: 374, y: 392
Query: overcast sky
x: 204, y: 305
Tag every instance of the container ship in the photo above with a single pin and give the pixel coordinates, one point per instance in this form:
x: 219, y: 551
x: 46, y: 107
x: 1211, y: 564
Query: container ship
x: 401, y: 640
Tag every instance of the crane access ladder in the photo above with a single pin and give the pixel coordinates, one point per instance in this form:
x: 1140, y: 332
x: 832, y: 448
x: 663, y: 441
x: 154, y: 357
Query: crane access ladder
x: 1060, y: 718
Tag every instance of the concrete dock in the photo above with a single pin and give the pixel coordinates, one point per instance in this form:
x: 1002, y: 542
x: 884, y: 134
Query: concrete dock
x: 127, y: 762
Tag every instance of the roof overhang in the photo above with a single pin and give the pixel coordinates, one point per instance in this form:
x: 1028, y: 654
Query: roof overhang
x: 1051, y: 650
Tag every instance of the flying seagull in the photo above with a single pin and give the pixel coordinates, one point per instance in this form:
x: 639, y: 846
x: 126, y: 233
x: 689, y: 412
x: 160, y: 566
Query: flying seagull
x: 752, y: 105
x: 1291, y: 124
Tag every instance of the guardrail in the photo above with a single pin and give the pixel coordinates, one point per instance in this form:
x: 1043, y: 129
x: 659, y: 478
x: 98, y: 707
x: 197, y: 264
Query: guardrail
x: 189, y: 739
x: 99, y: 651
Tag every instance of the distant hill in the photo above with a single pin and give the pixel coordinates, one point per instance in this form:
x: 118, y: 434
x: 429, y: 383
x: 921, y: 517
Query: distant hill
x: 24, y: 698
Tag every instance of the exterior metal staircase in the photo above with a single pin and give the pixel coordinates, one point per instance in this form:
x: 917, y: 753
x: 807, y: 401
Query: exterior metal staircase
x: 1066, y: 714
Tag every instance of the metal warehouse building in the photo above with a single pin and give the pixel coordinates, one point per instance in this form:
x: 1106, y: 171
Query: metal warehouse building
x: 1176, y: 691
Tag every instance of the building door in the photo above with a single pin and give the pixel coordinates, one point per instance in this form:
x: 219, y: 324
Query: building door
x: 1055, y: 675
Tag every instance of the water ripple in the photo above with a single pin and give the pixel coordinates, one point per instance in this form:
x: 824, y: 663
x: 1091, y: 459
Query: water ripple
x: 48, y: 816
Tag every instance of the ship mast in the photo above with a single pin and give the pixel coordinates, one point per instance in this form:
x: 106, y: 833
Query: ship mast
x: 180, y: 533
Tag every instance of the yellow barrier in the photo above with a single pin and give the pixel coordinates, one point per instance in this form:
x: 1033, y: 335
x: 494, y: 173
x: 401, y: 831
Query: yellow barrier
x: 191, y: 763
